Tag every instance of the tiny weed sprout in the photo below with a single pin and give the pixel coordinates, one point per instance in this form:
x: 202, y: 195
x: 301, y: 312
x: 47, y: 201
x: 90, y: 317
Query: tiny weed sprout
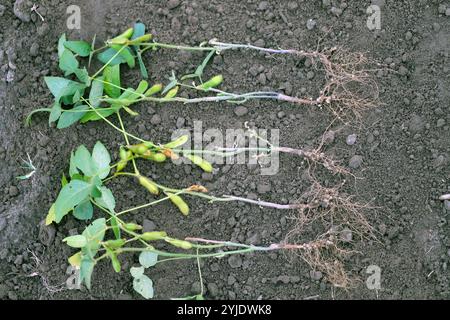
x: 28, y: 164
x: 85, y: 194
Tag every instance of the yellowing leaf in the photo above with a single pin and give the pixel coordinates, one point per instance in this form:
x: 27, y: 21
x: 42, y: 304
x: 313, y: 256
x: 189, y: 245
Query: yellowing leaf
x: 75, y: 260
x: 50, y: 216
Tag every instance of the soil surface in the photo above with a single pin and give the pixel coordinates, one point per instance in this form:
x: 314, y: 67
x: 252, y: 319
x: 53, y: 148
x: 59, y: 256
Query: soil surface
x: 403, y: 145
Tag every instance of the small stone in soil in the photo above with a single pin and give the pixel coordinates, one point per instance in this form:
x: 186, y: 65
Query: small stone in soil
x: 148, y: 225
x: 22, y: 10
x: 355, y: 162
x: 172, y: 4
x: 240, y: 111
x: 351, y: 139
x: 263, y: 188
x: 315, y: 275
x: 156, y: 119
x: 311, y: 24
x: 346, y: 235
x: 440, y: 123
x: 13, y: 191
x: 180, y: 122
x: 235, y: 261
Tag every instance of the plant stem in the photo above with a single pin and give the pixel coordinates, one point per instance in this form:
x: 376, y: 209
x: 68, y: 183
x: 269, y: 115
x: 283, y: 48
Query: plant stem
x: 200, y: 273
x: 126, y: 140
x: 110, y: 123
x: 28, y: 119
x: 143, y: 206
x: 264, y: 203
x: 150, y: 45
x: 187, y: 256
x: 106, y: 64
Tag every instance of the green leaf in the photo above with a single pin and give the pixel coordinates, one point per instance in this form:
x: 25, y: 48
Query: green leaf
x: 116, y: 104
x: 125, y: 53
x: 61, y: 48
x: 97, y: 182
x: 144, y: 286
x: 148, y: 259
x: 69, y: 117
x: 142, y: 67
x: 102, y: 159
x: 61, y: 87
x: 68, y: 63
x: 55, y: 112
x: 72, y: 168
x: 106, y: 55
x: 82, y: 48
x: 76, y: 97
x: 86, y: 269
x: 107, y: 199
x: 71, y: 195
x: 64, y: 181
x: 177, y: 142
x: 94, y: 233
x: 84, y: 162
x: 83, y: 211
x: 77, y: 241
x: 173, y: 82
x: 201, y: 68
x: 115, y: 227
x: 83, y: 76
x: 96, y: 193
x: 96, y: 92
x: 112, y: 75
x: 139, y: 30
x: 137, y: 272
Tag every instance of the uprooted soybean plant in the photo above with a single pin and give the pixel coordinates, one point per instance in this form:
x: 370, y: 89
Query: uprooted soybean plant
x: 81, y: 97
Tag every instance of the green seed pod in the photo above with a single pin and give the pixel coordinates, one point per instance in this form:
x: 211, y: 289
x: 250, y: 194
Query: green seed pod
x: 154, y: 235
x: 211, y: 83
x: 123, y: 153
x: 140, y: 148
x: 122, y: 38
x: 149, y: 185
x: 153, y: 90
x: 172, y: 93
x: 114, y: 244
x: 158, y: 157
x: 115, y: 262
x: 199, y: 161
x: 186, y: 245
x: 144, y: 38
x: 179, y: 202
x: 124, y: 159
x: 121, y: 165
x: 132, y: 226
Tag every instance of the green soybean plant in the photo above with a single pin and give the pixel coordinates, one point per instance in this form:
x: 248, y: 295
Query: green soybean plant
x: 80, y: 97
